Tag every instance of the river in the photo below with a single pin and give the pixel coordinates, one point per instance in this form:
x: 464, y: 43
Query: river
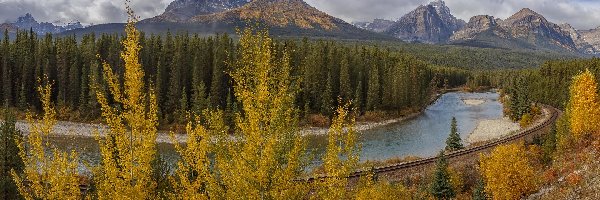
x: 422, y: 136
x: 425, y: 135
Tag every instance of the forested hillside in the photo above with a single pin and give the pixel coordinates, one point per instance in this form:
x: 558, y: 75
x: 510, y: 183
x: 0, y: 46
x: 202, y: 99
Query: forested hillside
x: 190, y: 72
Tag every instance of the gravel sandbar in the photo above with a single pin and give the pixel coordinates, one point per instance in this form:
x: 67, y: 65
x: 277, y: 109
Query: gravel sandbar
x: 492, y: 129
x: 473, y: 102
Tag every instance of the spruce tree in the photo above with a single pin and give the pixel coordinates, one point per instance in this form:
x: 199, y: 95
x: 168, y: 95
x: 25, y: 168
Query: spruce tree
x: 9, y: 157
x: 454, y: 141
x: 358, y: 100
x: 479, y: 191
x: 327, y: 98
x: 373, y: 92
x: 441, y: 188
x: 345, y: 90
x: 199, y: 99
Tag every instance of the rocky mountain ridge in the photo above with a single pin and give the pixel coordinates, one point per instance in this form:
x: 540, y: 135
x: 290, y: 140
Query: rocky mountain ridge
x: 378, y: 25
x: 27, y: 22
x: 434, y: 23
x: 283, y: 18
x: 183, y: 10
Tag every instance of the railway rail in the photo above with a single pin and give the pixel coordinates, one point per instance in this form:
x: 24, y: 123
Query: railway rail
x: 402, y: 166
x: 406, y: 165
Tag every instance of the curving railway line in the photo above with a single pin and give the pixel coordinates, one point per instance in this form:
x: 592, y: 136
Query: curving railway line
x: 407, y: 165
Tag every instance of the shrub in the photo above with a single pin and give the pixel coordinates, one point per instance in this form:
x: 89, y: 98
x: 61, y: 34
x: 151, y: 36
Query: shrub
x: 508, y: 172
x: 318, y: 120
x: 526, y: 120
x: 373, y: 116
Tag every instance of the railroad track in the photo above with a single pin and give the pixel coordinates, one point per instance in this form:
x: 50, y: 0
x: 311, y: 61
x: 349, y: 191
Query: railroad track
x: 470, y: 150
x: 407, y: 165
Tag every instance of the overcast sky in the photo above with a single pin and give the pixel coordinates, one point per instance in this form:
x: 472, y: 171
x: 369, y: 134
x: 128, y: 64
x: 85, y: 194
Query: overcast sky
x: 582, y: 14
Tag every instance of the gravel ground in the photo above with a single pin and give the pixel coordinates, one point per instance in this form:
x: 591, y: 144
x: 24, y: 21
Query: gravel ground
x: 492, y: 129
x: 473, y: 102
x: 360, y: 126
x: 63, y: 128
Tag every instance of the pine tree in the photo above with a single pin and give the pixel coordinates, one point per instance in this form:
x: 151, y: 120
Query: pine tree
x: 218, y: 85
x: 441, y: 188
x: 199, y: 99
x: 183, y: 107
x: 345, y: 87
x: 358, y: 96
x: 373, y: 97
x: 520, y: 103
x: 479, y: 191
x: 454, y: 142
x: 175, y: 79
x: 9, y: 158
x: 327, y: 98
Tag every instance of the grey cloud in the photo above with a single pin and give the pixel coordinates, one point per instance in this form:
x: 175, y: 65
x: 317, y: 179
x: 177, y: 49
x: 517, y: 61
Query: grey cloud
x: 85, y: 11
x: 581, y: 14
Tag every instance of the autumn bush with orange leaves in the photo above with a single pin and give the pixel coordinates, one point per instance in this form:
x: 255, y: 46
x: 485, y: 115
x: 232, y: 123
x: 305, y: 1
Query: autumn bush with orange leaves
x: 508, y: 173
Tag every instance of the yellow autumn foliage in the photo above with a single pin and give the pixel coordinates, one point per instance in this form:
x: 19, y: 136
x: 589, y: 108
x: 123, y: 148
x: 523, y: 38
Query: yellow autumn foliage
x: 507, y: 172
x: 382, y: 191
x: 193, y: 178
x: 266, y: 152
x: 131, y: 113
x: 583, y: 107
x: 46, y: 176
x: 341, y: 157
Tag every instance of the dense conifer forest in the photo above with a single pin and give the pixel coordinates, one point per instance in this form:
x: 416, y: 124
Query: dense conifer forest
x: 192, y: 73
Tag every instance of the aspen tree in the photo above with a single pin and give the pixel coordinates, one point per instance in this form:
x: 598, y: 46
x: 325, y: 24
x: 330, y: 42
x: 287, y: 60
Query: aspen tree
x: 194, y: 178
x: 507, y: 172
x: 341, y: 156
x: 131, y: 113
x: 267, y: 153
x: 46, y: 176
x: 583, y: 107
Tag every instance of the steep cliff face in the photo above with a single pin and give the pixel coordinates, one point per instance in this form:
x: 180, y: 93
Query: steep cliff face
x: 446, y: 16
x: 581, y: 43
x: 477, y: 25
x: 533, y: 27
x: 431, y: 23
x: 183, y: 10
x: 525, y: 29
x: 591, y: 37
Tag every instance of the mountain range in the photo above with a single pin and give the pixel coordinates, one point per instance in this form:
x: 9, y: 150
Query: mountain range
x: 287, y: 18
x: 526, y: 29
x: 432, y: 23
x: 27, y: 22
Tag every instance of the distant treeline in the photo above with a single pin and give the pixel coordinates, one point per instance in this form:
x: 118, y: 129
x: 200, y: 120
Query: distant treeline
x: 550, y: 83
x: 190, y: 73
x: 482, y: 58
